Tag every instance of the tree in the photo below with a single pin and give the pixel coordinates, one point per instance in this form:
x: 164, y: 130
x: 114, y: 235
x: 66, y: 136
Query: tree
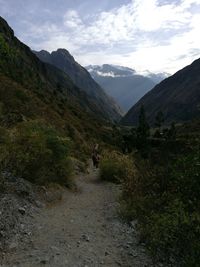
x: 159, y: 119
x: 143, y: 132
x: 172, y: 131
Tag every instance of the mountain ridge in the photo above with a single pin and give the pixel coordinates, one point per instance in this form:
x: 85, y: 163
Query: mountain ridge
x: 63, y: 60
x: 122, y: 83
x: 31, y: 90
x: 178, y: 97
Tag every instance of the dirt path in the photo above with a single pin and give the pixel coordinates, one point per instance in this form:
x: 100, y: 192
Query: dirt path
x: 83, y: 230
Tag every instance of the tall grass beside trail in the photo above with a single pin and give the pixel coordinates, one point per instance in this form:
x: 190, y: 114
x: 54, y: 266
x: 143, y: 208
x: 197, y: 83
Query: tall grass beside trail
x: 36, y: 152
x: 115, y: 167
x: 165, y: 200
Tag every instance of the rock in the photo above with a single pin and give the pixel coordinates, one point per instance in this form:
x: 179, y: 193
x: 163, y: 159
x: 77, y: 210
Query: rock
x: 27, y: 233
x: 106, y: 253
x: 55, y: 249
x: 13, y: 245
x: 85, y: 237
x: 2, y: 233
x: 39, y: 204
x: 118, y: 263
x: 44, y: 261
x: 133, y: 254
x: 22, y: 226
x: 134, y: 224
x: 22, y: 210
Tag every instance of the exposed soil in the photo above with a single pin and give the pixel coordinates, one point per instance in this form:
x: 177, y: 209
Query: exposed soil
x: 81, y: 230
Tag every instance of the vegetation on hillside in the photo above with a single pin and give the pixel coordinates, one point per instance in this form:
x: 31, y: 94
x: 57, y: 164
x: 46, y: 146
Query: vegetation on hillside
x: 44, y: 120
x: 178, y: 97
x: 43, y: 114
x: 38, y: 153
x: 163, y: 192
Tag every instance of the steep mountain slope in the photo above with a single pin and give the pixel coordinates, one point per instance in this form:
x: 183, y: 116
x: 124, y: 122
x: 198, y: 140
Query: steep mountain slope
x: 178, y: 97
x: 81, y: 78
x: 122, y: 83
x: 33, y: 90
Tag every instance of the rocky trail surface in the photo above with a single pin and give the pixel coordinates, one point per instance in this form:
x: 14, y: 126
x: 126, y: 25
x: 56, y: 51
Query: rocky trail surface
x: 81, y: 230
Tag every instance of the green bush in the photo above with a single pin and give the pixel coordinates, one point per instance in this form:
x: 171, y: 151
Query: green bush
x: 165, y: 199
x: 174, y: 234
x: 39, y: 154
x: 115, y: 167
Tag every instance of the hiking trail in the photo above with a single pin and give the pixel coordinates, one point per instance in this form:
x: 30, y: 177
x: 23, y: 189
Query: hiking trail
x: 81, y: 230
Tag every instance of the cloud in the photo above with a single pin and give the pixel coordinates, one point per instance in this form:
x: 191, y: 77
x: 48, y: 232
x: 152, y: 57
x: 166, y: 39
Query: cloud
x: 72, y: 19
x: 142, y: 34
x: 140, y: 25
x: 126, y: 22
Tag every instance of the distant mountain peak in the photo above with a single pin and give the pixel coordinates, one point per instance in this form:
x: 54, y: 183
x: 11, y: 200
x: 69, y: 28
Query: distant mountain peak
x: 122, y: 83
x: 44, y: 52
x: 157, y: 77
x: 64, y: 52
x: 110, y: 70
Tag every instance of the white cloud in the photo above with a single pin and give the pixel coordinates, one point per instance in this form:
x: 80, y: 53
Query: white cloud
x: 151, y: 17
x: 142, y: 34
x: 72, y: 19
x: 124, y: 23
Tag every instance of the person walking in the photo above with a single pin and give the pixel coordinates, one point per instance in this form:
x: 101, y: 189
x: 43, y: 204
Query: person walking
x: 95, y: 156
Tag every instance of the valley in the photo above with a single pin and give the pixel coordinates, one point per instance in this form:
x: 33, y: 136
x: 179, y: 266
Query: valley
x: 138, y: 204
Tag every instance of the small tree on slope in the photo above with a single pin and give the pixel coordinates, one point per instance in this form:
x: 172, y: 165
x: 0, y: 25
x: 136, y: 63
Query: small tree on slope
x: 143, y: 132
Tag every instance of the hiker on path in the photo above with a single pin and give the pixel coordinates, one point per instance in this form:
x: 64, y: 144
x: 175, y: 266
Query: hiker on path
x: 95, y: 156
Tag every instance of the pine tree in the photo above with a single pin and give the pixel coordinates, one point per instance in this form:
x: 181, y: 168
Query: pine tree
x: 143, y: 132
x: 159, y: 119
x: 172, y: 131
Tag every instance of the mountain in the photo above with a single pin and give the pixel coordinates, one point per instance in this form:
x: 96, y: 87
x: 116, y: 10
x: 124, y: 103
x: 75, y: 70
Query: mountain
x: 31, y: 90
x: 122, y: 83
x: 156, y: 77
x: 82, y: 79
x: 178, y: 97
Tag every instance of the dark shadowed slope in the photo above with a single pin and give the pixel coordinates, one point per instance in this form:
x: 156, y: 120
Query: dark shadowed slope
x: 33, y: 90
x: 178, y: 97
x: 82, y: 79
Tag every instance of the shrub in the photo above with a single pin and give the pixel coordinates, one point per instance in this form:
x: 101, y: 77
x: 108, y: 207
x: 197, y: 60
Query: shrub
x: 174, y: 234
x: 39, y: 154
x: 165, y: 199
x: 115, y: 167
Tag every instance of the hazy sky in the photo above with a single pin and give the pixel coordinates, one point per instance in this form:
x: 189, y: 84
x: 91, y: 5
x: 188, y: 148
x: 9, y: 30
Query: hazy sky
x: 158, y: 35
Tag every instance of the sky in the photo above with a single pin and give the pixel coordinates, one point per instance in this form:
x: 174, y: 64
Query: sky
x: 154, y: 35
